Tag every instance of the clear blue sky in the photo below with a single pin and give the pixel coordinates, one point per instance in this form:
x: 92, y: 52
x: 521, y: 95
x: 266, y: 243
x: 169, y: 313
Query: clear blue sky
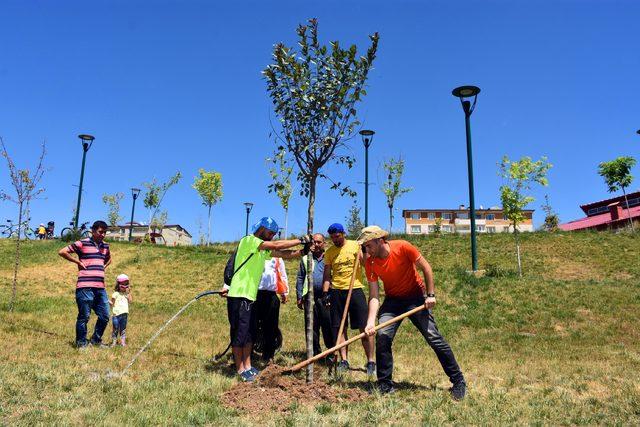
x: 176, y: 85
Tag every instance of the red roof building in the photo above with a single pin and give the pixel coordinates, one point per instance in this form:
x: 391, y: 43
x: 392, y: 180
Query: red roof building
x: 609, y: 214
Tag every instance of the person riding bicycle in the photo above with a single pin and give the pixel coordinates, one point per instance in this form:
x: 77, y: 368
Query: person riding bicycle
x: 51, y: 225
x: 42, y: 232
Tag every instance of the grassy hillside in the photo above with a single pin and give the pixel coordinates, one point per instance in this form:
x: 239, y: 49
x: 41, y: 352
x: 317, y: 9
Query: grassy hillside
x: 559, y: 346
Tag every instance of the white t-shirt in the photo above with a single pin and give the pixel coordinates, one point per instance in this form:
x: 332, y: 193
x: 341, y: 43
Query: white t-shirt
x: 270, y: 278
x: 121, y: 303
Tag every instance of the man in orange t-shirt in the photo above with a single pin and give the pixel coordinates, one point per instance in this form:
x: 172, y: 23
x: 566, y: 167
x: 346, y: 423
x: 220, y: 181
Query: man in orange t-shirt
x: 396, y: 263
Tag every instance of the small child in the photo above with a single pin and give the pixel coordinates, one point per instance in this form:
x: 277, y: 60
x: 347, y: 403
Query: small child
x: 120, y: 300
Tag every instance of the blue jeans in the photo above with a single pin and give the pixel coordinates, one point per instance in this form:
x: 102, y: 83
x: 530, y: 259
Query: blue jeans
x: 91, y: 299
x: 119, y: 323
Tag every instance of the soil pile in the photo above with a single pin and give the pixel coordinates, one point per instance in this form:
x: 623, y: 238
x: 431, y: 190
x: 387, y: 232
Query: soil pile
x: 274, y: 390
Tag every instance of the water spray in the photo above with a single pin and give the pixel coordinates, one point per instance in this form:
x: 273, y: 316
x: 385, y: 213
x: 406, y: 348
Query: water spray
x: 162, y: 328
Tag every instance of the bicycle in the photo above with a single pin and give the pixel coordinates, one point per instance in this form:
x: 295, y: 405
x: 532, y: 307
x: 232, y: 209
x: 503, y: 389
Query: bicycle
x: 83, y: 230
x: 10, y: 231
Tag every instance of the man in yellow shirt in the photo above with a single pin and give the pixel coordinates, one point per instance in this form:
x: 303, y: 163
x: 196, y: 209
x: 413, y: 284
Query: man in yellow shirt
x: 338, y: 269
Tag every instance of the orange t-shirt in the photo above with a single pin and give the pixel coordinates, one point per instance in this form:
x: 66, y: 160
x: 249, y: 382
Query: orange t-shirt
x: 397, y: 271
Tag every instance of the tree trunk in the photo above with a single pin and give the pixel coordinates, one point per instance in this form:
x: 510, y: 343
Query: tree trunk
x: 310, y: 298
x: 628, y: 212
x: 209, y: 227
x: 515, y: 233
x: 286, y: 220
x: 17, y: 261
x: 390, y: 219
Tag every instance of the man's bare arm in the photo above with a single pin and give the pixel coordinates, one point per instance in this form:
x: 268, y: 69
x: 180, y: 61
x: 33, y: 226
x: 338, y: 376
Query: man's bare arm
x: 66, y: 255
x: 427, y: 272
x: 374, y: 305
x: 326, y: 278
x: 278, y: 245
x: 286, y: 254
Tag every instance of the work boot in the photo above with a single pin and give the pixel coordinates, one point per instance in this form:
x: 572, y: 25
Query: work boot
x: 458, y: 390
x: 371, y: 371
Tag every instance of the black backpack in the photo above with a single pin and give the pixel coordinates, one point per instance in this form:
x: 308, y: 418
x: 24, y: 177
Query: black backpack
x: 229, y: 272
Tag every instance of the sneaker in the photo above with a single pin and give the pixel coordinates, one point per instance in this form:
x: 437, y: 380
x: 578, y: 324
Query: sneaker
x: 386, y: 388
x: 342, y: 368
x: 99, y: 344
x: 371, y: 371
x: 254, y: 372
x: 458, y: 390
x: 246, y: 377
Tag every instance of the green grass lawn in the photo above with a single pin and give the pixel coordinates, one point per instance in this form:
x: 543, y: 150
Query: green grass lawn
x: 559, y: 346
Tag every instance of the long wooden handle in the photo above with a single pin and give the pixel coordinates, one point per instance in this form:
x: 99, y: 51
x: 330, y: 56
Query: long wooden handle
x: 352, y: 339
x: 356, y: 267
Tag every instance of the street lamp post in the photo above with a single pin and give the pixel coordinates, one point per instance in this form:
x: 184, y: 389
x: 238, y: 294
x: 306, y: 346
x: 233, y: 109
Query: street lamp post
x: 248, y: 206
x: 367, y: 138
x: 464, y: 92
x: 87, y: 141
x: 134, y: 192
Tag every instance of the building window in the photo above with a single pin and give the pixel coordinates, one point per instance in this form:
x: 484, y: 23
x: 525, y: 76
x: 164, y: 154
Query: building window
x: 447, y: 229
x: 416, y: 229
x: 431, y: 229
x: 446, y: 215
x: 505, y: 229
x: 478, y: 216
x: 491, y: 229
x: 431, y: 215
x: 463, y: 215
x: 491, y: 217
x: 480, y: 228
x: 415, y: 215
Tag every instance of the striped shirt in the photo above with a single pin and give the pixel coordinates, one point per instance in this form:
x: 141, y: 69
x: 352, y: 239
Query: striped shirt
x: 94, y: 256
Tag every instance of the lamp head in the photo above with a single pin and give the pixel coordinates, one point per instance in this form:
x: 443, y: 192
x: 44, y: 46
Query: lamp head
x: 248, y: 205
x: 135, y: 192
x: 367, y: 136
x: 465, y: 91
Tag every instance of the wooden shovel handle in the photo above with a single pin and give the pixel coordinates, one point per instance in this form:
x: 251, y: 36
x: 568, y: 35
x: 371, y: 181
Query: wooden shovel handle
x: 355, y: 338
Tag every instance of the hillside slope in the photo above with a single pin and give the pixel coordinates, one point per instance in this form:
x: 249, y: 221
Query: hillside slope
x: 559, y: 346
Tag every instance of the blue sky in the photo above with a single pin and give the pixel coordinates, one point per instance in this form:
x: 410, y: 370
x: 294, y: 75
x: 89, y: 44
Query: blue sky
x: 176, y: 85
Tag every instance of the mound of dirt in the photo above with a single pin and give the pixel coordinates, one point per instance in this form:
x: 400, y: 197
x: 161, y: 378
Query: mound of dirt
x: 275, y: 390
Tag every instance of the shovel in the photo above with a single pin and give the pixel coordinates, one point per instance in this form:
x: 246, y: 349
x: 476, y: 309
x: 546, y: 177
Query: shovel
x: 352, y: 339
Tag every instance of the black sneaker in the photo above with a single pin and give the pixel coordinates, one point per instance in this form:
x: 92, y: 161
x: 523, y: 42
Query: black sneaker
x: 342, y: 368
x: 371, y: 371
x: 386, y: 388
x: 458, y: 390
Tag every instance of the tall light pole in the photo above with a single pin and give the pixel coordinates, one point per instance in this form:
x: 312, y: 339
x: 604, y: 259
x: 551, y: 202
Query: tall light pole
x: 87, y: 141
x: 367, y: 138
x: 464, y: 92
x: 134, y: 192
x: 248, y: 206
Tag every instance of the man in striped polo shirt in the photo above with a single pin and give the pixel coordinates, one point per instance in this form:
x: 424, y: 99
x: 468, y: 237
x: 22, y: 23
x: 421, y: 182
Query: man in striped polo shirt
x: 93, y: 257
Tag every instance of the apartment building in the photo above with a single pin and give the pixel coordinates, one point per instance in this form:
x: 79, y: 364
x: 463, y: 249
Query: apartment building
x: 492, y: 220
x: 170, y: 235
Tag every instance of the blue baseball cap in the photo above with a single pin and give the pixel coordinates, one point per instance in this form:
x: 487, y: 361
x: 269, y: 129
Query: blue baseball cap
x: 266, y: 222
x: 335, y: 228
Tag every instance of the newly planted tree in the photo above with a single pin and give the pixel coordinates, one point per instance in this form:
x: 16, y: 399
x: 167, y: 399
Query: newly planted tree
x: 208, y: 184
x: 617, y: 175
x: 551, y: 219
x: 26, y: 188
x: 314, y: 91
x: 354, y: 223
x: 519, y: 176
x: 281, y: 185
x: 154, y: 196
x: 392, y: 187
x: 113, y: 204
